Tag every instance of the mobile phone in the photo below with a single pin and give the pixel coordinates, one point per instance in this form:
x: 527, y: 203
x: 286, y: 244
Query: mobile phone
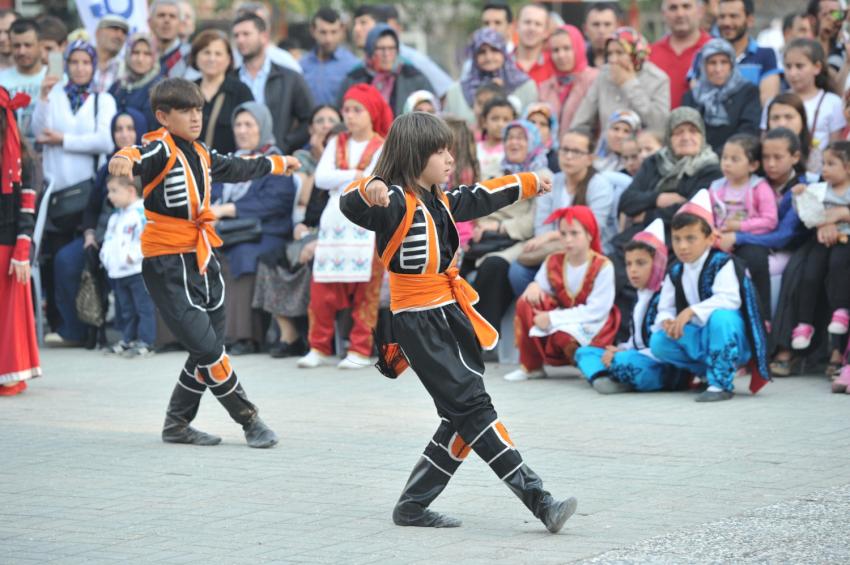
x: 54, y: 64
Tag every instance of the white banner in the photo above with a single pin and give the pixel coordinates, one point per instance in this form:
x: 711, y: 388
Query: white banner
x: 134, y: 11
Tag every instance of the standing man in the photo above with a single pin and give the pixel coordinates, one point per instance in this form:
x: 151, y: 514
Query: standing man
x: 675, y: 52
x: 498, y: 16
x: 28, y: 72
x: 529, y: 55
x: 7, y: 17
x: 164, y: 21
x: 757, y: 64
x: 278, y: 56
x: 601, y: 20
x: 110, y: 37
x: 326, y: 66
x: 283, y: 90
x: 187, y: 21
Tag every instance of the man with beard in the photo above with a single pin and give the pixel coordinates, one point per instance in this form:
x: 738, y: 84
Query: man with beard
x: 7, y: 17
x: 675, y: 52
x: 533, y: 31
x: 601, y: 20
x: 757, y: 64
x: 28, y: 73
x: 326, y: 66
x: 283, y: 90
x: 110, y: 36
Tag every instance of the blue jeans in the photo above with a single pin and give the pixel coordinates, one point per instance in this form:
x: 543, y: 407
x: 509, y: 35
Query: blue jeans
x: 137, y: 311
x: 715, y: 350
x: 520, y: 277
x: 67, y: 270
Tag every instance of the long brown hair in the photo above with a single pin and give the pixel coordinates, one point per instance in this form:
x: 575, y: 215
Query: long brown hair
x: 791, y: 99
x: 580, y: 194
x: 412, y: 139
x: 463, y: 150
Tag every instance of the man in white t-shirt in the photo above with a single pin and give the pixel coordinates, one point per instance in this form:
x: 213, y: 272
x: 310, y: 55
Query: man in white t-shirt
x: 28, y: 72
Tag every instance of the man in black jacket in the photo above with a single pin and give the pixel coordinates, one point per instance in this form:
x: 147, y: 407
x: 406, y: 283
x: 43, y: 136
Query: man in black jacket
x: 284, y: 91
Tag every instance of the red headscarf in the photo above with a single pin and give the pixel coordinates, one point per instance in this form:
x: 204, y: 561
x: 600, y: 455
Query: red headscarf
x: 565, y: 80
x: 11, y: 139
x: 379, y: 110
x: 585, y: 217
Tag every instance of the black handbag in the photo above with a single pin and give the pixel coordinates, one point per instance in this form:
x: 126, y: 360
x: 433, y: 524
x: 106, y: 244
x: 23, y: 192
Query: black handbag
x: 239, y: 230
x: 490, y: 242
x: 67, y: 205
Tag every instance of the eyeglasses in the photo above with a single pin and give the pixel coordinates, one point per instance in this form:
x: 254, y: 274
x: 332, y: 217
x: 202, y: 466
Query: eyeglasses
x: 390, y: 49
x: 570, y: 152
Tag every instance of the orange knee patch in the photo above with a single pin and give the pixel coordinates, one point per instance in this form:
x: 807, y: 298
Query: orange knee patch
x: 219, y: 371
x: 459, y: 448
x: 503, y: 433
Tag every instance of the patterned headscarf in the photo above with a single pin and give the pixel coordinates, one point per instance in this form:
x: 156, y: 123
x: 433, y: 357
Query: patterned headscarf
x: 536, y: 158
x: 653, y: 236
x: 565, y: 80
x: 546, y: 110
x: 585, y: 217
x: 628, y: 117
x: 635, y: 45
x: 77, y: 93
x: 711, y: 97
x: 511, y: 76
x: 11, y: 139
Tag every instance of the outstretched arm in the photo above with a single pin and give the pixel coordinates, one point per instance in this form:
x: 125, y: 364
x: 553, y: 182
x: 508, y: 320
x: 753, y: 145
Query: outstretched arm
x: 230, y: 168
x: 484, y: 198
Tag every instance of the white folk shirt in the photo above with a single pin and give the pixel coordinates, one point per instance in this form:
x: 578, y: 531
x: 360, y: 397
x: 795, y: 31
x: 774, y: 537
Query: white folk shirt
x: 635, y: 341
x: 726, y: 294
x: 584, y: 321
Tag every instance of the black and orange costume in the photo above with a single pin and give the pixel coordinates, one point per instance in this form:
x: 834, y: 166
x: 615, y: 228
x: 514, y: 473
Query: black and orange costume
x: 440, y: 335
x: 183, y: 275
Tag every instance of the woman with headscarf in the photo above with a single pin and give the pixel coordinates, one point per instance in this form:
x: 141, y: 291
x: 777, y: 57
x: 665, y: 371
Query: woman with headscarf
x: 265, y: 203
x: 622, y: 125
x: 543, y: 116
x: 72, y: 123
x: 19, y: 360
x: 573, y: 76
x: 728, y: 102
x: 498, y: 239
x: 384, y: 69
x: 423, y: 101
x: 346, y: 272
x: 628, y: 81
x: 489, y: 62
x: 140, y: 74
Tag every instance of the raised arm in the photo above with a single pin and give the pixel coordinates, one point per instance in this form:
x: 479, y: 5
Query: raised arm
x: 484, y: 198
x: 229, y: 168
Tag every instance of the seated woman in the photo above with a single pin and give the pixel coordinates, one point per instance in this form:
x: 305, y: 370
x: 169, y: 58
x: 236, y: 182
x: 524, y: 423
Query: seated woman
x: 570, y: 304
x: 573, y: 76
x: 498, y: 239
x: 622, y: 125
x: 140, y: 74
x: 72, y: 123
x: 628, y: 81
x: 269, y: 201
x: 223, y: 92
x: 728, y: 102
x: 384, y: 69
x: 578, y: 184
x: 489, y: 63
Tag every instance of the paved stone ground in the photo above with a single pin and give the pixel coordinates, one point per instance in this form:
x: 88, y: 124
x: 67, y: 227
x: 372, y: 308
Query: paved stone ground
x: 659, y: 478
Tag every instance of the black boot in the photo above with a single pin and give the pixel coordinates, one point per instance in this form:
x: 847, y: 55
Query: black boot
x: 426, y: 482
x: 182, y: 409
x: 529, y: 488
x: 243, y: 412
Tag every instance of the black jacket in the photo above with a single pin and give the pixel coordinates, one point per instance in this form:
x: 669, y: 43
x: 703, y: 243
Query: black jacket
x: 409, y: 80
x: 290, y: 101
x: 235, y: 93
x: 744, y: 109
x: 641, y: 195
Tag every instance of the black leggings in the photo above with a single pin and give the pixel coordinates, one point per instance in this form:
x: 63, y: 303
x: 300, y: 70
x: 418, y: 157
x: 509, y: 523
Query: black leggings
x: 756, y: 258
x: 829, y: 266
x: 494, y: 290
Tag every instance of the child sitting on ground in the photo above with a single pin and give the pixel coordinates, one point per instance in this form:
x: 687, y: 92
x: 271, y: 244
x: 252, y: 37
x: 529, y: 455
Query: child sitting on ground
x: 708, y: 320
x: 121, y: 256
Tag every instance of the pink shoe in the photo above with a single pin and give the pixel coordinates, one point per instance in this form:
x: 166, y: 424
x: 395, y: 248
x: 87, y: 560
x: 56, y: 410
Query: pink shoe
x: 842, y: 383
x: 801, y: 336
x: 840, y: 322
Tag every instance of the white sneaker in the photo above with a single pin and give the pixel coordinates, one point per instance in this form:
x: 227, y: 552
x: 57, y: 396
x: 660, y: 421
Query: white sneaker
x: 354, y: 361
x: 522, y: 375
x: 314, y: 359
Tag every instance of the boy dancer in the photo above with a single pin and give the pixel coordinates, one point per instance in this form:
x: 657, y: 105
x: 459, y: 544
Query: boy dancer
x: 439, y: 333
x: 708, y: 317
x: 180, y: 268
x: 630, y: 366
